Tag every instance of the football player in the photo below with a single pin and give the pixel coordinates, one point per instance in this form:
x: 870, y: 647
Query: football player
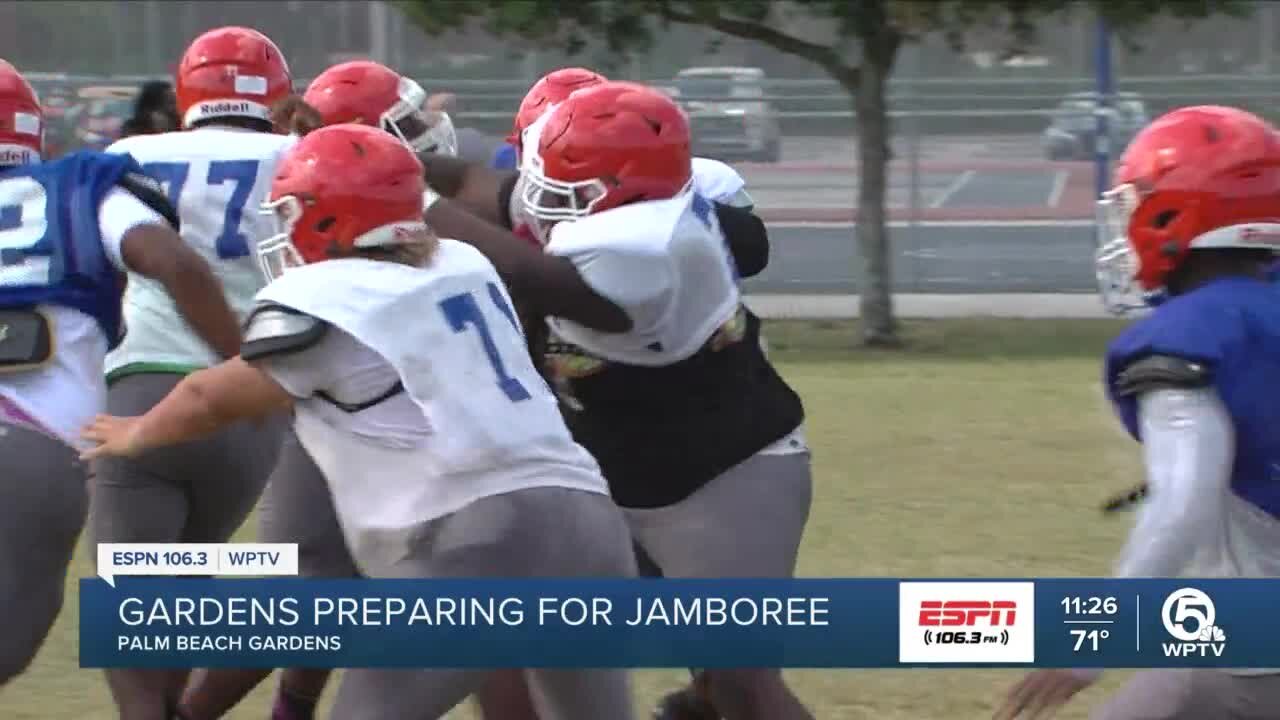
x: 369, y: 93
x: 216, y: 173
x: 296, y: 506
x: 155, y: 110
x: 1194, y: 220
x: 68, y: 228
x: 436, y: 469
x: 659, y: 361
x: 711, y: 178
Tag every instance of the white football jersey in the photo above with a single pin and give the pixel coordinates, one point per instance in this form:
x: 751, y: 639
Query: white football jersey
x: 487, y: 423
x: 666, y: 263
x: 217, y: 178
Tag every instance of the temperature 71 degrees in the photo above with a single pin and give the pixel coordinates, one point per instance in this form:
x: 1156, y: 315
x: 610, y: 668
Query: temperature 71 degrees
x: 1093, y: 637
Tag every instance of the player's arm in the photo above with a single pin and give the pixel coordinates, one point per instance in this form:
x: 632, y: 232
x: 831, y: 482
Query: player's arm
x: 272, y: 372
x: 747, y: 237
x: 1188, y: 444
x: 203, y: 403
x: 139, y: 230
x: 481, y: 190
x: 552, y: 284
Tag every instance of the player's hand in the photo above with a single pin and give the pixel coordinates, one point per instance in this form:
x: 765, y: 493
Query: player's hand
x: 293, y: 115
x: 115, y: 437
x: 1042, y: 692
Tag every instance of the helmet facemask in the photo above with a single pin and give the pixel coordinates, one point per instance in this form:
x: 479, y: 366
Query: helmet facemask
x: 549, y: 201
x: 1115, y: 262
x: 421, y: 130
x: 277, y: 254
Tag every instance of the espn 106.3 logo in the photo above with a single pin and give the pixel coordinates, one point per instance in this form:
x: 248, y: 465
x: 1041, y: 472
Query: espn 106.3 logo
x: 1190, y: 617
x: 966, y: 622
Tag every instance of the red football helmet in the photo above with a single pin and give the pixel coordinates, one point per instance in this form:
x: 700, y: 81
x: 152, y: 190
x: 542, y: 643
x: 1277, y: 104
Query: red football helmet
x: 339, y: 189
x: 369, y: 93
x: 1198, y: 177
x: 609, y: 145
x: 553, y: 88
x: 21, y: 118
x: 231, y: 72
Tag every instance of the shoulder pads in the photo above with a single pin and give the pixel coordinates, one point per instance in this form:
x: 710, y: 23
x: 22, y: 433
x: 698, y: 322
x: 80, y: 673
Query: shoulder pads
x: 1159, y: 372
x: 151, y: 193
x: 279, y: 330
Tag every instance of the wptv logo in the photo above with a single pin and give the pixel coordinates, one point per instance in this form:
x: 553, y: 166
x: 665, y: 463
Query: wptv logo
x: 942, y: 622
x: 1189, y: 616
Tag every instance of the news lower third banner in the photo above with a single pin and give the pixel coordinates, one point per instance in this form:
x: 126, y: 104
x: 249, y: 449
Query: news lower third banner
x: 644, y: 623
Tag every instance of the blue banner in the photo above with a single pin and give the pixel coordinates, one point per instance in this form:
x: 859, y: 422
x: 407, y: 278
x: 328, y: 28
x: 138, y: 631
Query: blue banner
x: 821, y: 623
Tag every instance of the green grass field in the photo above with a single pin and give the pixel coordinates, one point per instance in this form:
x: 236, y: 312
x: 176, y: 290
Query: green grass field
x: 983, y: 449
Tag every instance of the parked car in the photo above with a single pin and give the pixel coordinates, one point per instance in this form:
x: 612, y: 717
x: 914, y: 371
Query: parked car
x: 1072, y: 130
x: 728, y: 113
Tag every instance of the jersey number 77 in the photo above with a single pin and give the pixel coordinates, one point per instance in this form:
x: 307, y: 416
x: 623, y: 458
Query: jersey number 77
x: 230, y: 242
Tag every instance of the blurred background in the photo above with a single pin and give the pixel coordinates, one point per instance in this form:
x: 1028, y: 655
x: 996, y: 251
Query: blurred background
x: 992, y: 182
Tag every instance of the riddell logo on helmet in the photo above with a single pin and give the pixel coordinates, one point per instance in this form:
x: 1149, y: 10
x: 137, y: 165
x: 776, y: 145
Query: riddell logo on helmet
x: 225, y: 108
x: 9, y: 156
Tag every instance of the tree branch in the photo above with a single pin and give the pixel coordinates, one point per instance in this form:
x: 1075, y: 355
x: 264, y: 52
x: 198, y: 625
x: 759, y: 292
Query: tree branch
x: 827, y: 57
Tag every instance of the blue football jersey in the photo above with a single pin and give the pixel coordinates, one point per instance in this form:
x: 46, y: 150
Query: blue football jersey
x: 51, y: 250
x: 1232, y: 326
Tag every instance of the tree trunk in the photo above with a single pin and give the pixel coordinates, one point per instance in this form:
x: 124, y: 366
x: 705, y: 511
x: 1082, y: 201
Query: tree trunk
x: 879, y: 328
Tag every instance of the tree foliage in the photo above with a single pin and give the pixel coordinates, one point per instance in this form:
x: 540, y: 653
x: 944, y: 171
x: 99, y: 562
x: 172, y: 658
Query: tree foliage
x: 855, y: 41
x: 629, y: 25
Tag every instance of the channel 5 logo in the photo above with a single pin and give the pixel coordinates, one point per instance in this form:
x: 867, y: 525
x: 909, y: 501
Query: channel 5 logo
x: 1190, y: 617
x: 966, y: 622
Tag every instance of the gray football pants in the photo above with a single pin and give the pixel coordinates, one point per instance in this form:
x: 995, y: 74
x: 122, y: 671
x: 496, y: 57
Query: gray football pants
x: 538, y: 532
x: 748, y: 522
x: 198, y: 492
x: 44, y: 499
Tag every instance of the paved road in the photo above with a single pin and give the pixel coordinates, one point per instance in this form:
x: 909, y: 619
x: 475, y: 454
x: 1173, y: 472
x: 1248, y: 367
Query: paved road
x: 843, y: 150
x: 1007, y: 305
x: 964, y: 181
x: 1031, y: 229
x: 1032, y: 189
x: 938, y: 257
